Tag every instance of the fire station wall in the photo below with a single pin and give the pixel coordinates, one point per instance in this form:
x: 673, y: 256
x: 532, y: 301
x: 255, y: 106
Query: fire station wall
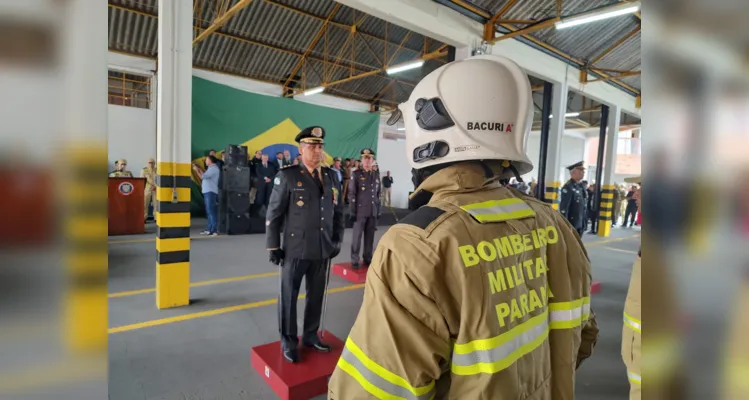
x: 132, y: 131
x: 573, y: 150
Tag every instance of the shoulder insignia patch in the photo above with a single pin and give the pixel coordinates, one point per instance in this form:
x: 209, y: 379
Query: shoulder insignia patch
x: 422, y: 217
x: 277, y: 181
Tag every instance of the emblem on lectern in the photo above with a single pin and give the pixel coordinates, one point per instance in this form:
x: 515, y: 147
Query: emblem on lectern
x: 126, y: 188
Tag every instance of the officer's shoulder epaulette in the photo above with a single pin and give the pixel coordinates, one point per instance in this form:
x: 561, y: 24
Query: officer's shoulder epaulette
x: 289, y: 171
x: 289, y: 168
x: 423, y: 217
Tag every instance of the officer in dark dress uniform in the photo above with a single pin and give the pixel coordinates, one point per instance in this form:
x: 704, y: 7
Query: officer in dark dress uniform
x: 364, y: 202
x: 306, y: 205
x: 572, y: 202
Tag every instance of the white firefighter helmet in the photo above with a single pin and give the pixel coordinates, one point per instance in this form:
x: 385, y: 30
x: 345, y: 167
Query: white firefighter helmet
x: 480, y: 108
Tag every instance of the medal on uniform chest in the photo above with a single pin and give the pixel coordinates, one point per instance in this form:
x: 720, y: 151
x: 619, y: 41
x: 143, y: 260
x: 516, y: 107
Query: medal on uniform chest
x: 299, y: 183
x: 299, y: 203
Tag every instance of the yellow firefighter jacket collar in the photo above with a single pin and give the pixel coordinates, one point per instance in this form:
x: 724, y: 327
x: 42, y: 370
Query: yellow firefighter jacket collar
x: 463, y: 178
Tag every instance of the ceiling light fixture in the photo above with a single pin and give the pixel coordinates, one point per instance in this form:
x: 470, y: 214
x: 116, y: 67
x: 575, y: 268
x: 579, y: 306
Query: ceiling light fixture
x: 405, y: 67
x: 624, y: 9
x: 312, y: 91
x: 569, y: 115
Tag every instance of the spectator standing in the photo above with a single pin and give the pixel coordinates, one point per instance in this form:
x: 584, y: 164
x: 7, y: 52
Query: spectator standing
x: 209, y: 186
x: 280, y: 162
x: 265, y: 173
x: 387, y: 183
x: 631, y: 207
x: 219, y: 162
x: 346, y: 178
x: 337, y: 168
x: 149, y: 172
x: 254, y: 182
x: 592, y: 207
x: 617, y: 207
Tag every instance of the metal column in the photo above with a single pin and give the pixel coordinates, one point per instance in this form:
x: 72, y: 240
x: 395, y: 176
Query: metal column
x: 606, y: 210
x: 542, y: 154
x: 554, y: 149
x: 599, y: 160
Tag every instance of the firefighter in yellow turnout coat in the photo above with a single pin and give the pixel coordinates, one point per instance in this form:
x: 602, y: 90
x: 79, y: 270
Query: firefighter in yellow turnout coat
x: 631, y: 340
x: 482, y: 292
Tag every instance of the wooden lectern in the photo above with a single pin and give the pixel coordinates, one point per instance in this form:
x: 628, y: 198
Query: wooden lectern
x: 125, y: 207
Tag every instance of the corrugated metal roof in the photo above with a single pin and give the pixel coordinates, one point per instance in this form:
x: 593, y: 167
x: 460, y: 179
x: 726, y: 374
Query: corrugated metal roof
x: 582, y: 43
x: 266, y: 40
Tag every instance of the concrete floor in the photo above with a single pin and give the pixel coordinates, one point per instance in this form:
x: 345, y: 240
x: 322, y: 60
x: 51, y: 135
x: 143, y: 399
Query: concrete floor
x: 203, y: 351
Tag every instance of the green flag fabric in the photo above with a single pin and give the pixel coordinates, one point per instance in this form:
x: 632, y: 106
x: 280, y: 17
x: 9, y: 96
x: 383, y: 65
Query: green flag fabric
x: 222, y: 116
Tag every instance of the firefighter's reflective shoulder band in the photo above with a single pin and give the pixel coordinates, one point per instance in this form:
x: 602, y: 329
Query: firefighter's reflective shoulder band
x: 499, y: 210
x: 376, y: 380
x: 489, y: 356
x: 633, y: 323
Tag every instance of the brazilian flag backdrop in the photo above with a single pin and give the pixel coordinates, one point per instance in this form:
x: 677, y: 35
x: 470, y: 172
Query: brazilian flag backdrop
x: 222, y: 115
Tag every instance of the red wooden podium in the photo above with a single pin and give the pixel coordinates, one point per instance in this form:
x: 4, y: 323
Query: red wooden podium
x: 301, y: 381
x: 345, y: 271
x: 125, y: 206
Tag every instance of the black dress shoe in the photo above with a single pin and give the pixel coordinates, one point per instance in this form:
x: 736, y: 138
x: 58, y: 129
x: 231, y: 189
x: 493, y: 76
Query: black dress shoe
x: 291, y: 355
x: 317, y: 345
x: 354, y: 265
x: 367, y: 263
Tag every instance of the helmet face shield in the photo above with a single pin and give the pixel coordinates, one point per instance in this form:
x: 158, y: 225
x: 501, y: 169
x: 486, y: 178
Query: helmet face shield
x: 480, y: 108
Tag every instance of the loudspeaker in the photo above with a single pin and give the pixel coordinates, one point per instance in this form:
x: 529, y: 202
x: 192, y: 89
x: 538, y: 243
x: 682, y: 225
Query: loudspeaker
x: 238, y: 203
x: 237, y: 179
x: 236, y: 155
x: 237, y: 223
x: 258, y: 210
x: 222, y: 212
x: 257, y: 224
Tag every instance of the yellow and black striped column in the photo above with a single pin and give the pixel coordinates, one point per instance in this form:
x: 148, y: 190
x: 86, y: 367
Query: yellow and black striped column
x: 173, y: 148
x: 173, y: 181
x: 605, y: 212
x: 552, y: 194
x: 87, y: 256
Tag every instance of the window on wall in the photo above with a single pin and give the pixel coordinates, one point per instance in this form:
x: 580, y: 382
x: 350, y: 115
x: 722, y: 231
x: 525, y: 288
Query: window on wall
x: 130, y: 90
x: 629, y: 142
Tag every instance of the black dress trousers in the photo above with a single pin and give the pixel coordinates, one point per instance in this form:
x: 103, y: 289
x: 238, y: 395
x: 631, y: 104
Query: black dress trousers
x: 291, y: 280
